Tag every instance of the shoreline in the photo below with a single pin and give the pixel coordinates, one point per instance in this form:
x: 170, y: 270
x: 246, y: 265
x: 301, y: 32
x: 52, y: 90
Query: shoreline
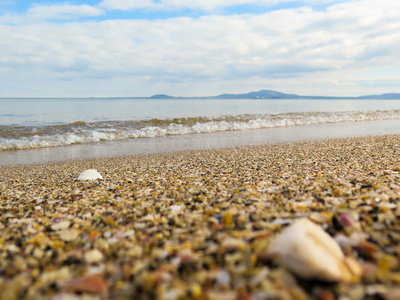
x: 198, y: 224
x: 200, y: 141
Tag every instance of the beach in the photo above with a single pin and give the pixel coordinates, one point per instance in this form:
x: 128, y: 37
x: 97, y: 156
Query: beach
x: 198, y: 224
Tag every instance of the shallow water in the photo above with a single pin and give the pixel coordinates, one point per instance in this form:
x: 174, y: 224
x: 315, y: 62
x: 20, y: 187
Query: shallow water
x: 44, y: 123
x: 201, y: 141
x: 31, y: 112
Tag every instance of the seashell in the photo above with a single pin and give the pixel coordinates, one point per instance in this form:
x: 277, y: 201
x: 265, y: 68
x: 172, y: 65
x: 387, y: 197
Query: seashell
x: 307, y: 250
x: 89, y: 175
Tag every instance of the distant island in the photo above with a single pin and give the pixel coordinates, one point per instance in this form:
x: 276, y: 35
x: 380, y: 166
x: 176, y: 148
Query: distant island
x: 161, y: 96
x: 269, y: 94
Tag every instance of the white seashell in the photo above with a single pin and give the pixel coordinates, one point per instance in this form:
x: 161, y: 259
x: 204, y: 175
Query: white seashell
x: 308, y: 251
x: 89, y: 175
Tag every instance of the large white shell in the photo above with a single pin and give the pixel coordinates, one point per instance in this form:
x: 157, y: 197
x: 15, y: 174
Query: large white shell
x: 308, y: 251
x: 90, y: 175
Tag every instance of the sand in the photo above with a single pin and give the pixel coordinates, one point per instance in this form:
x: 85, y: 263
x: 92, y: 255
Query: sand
x: 198, y: 224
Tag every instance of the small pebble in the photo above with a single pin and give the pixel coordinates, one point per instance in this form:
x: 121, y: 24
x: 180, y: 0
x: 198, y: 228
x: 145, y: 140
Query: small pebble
x: 93, y: 256
x: 69, y: 235
x: 61, y: 225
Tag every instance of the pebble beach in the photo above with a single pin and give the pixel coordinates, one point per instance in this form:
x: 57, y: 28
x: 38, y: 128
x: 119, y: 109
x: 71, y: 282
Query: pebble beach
x: 210, y: 224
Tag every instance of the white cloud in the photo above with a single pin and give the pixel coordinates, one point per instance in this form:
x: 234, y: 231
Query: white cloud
x: 293, y: 50
x: 205, y: 5
x: 52, y: 12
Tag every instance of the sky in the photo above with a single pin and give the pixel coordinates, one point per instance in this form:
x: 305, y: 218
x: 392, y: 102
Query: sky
x: 123, y: 48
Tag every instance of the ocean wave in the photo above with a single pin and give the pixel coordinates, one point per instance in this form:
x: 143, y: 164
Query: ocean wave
x: 25, y: 137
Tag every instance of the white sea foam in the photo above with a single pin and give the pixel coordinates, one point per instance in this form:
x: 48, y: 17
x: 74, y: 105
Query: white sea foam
x: 79, y: 132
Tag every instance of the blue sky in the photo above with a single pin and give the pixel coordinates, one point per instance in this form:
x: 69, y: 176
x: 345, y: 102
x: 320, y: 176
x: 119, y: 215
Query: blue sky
x: 121, y: 48
x: 152, y: 13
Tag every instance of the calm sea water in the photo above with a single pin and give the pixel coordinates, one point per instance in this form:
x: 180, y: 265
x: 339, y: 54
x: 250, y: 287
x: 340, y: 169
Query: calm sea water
x: 43, y: 123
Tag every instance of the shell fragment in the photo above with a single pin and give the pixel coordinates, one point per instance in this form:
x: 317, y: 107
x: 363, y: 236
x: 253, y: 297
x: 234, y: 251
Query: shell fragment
x: 308, y: 251
x: 90, y: 174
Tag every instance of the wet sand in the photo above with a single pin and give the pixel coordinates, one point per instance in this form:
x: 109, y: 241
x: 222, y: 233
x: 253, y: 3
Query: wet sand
x: 198, y: 224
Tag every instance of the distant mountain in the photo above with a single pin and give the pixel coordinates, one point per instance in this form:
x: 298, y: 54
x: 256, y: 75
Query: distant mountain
x: 162, y: 96
x: 263, y: 94
x: 269, y: 94
x: 383, y: 96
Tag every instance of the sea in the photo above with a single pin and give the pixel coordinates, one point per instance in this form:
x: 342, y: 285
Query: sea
x: 36, y: 130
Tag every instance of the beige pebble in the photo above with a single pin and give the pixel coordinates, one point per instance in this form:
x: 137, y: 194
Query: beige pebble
x: 69, y: 235
x: 61, y: 225
x: 93, y: 256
